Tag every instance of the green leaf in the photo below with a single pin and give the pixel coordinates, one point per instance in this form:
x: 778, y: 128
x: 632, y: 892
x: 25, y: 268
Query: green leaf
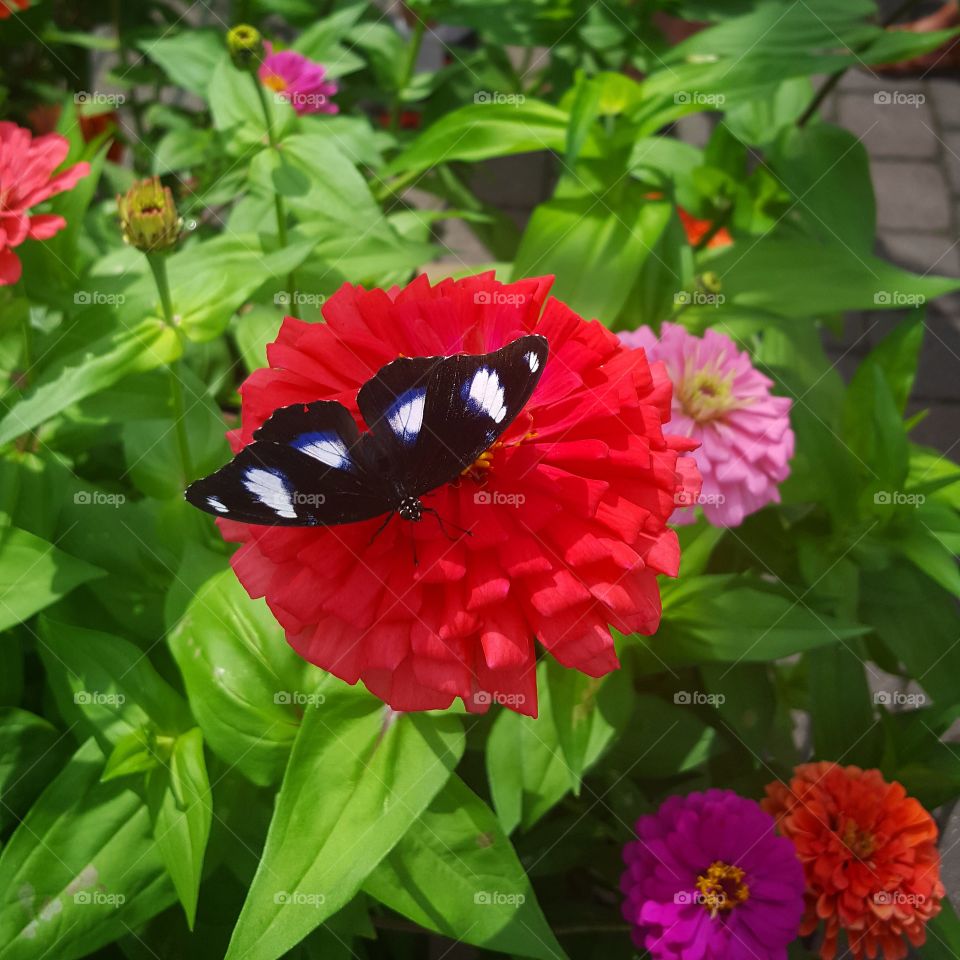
x: 133, y: 753
x: 526, y: 765
x: 595, y: 245
x: 378, y: 771
x: 712, y: 619
x: 802, y: 278
x: 188, y: 57
x: 111, y: 682
x: 483, y: 130
x: 237, y: 111
x: 943, y: 934
x: 897, y: 356
x: 456, y: 872
x: 246, y: 686
x: 827, y: 171
x: 149, y: 344
x: 28, y: 758
x: 82, y: 868
x: 181, y: 149
x: 586, y: 712
x: 928, y: 647
x: 34, y: 574
x: 181, y: 809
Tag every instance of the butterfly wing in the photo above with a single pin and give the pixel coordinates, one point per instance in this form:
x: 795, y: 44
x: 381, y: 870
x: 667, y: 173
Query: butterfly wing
x: 433, y: 416
x: 306, y: 467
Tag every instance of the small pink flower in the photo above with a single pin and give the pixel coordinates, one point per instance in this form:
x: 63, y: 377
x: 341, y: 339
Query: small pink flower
x: 26, y: 179
x: 298, y: 80
x: 720, y: 400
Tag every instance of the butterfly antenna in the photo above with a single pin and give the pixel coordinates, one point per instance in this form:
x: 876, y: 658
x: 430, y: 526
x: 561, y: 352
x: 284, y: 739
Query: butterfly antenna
x: 443, y: 527
x: 381, y: 528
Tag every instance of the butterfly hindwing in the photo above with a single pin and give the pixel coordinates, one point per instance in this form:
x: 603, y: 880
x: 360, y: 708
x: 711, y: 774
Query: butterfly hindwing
x: 305, y: 467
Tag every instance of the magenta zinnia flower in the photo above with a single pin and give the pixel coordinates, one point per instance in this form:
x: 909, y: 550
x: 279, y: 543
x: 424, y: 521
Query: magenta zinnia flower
x: 26, y: 179
x: 722, y: 401
x: 299, y: 80
x: 709, y: 879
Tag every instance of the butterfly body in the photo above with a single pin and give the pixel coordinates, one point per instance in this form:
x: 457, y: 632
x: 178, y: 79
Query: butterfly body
x: 429, y: 418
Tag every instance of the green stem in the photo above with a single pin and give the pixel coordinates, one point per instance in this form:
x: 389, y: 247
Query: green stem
x: 158, y: 266
x: 278, y: 204
x: 835, y: 78
x: 413, y: 52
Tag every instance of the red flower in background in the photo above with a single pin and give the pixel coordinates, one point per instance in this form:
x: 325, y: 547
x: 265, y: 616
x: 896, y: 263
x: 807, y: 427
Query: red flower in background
x: 10, y: 7
x: 697, y: 229
x: 44, y: 118
x: 26, y: 179
x: 568, y: 511
x: 870, y: 857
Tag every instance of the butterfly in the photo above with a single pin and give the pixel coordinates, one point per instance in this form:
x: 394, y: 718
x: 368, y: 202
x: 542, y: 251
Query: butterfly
x: 429, y: 419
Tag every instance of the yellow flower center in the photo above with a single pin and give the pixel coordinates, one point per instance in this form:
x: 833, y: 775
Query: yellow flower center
x: 275, y: 82
x: 722, y: 888
x: 706, y: 393
x: 859, y: 842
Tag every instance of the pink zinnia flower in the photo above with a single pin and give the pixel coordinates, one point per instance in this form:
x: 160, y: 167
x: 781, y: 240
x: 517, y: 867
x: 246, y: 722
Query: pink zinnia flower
x: 720, y: 400
x: 709, y: 879
x: 298, y: 80
x: 26, y: 179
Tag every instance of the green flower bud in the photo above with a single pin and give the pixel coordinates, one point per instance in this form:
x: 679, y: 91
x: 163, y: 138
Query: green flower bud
x: 246, y: 47
x: 711, y: 281
x: 148, y: 216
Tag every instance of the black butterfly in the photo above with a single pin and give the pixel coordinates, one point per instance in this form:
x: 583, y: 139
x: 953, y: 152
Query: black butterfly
x: 429, y: 418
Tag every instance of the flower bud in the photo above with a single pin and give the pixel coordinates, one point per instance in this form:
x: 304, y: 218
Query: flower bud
x: 246, y: 47
x: 148, y: 216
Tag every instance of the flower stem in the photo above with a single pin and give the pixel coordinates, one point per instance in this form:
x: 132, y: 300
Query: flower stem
x: 158, y: 266
x: 413, y: 52
x: 278, y: 204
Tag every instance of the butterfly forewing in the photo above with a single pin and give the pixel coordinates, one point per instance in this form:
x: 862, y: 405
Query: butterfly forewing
x: 438, y: 415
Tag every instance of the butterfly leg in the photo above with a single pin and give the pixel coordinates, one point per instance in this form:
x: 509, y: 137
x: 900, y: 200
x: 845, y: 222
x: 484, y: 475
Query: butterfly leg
x: 443, y: 528
x: 381, y: 528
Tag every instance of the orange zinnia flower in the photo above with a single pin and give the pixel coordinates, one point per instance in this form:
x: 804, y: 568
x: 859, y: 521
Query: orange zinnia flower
x: 869, y: 854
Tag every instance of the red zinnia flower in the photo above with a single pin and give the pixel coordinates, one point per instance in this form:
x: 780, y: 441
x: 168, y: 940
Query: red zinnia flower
x: 569, y: 524
x: 26, y: 179
x: 870, y: 857
x: 697, y: 229
x: 9, y: 7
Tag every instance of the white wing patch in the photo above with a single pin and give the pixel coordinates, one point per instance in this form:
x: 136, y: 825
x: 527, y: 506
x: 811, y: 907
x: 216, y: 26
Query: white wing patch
x: 328, y: 448
x: 533, y: 361
x: 216, y: 504
x: 406, y: 416
x: 485, y: 393
x: 271, y: 490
